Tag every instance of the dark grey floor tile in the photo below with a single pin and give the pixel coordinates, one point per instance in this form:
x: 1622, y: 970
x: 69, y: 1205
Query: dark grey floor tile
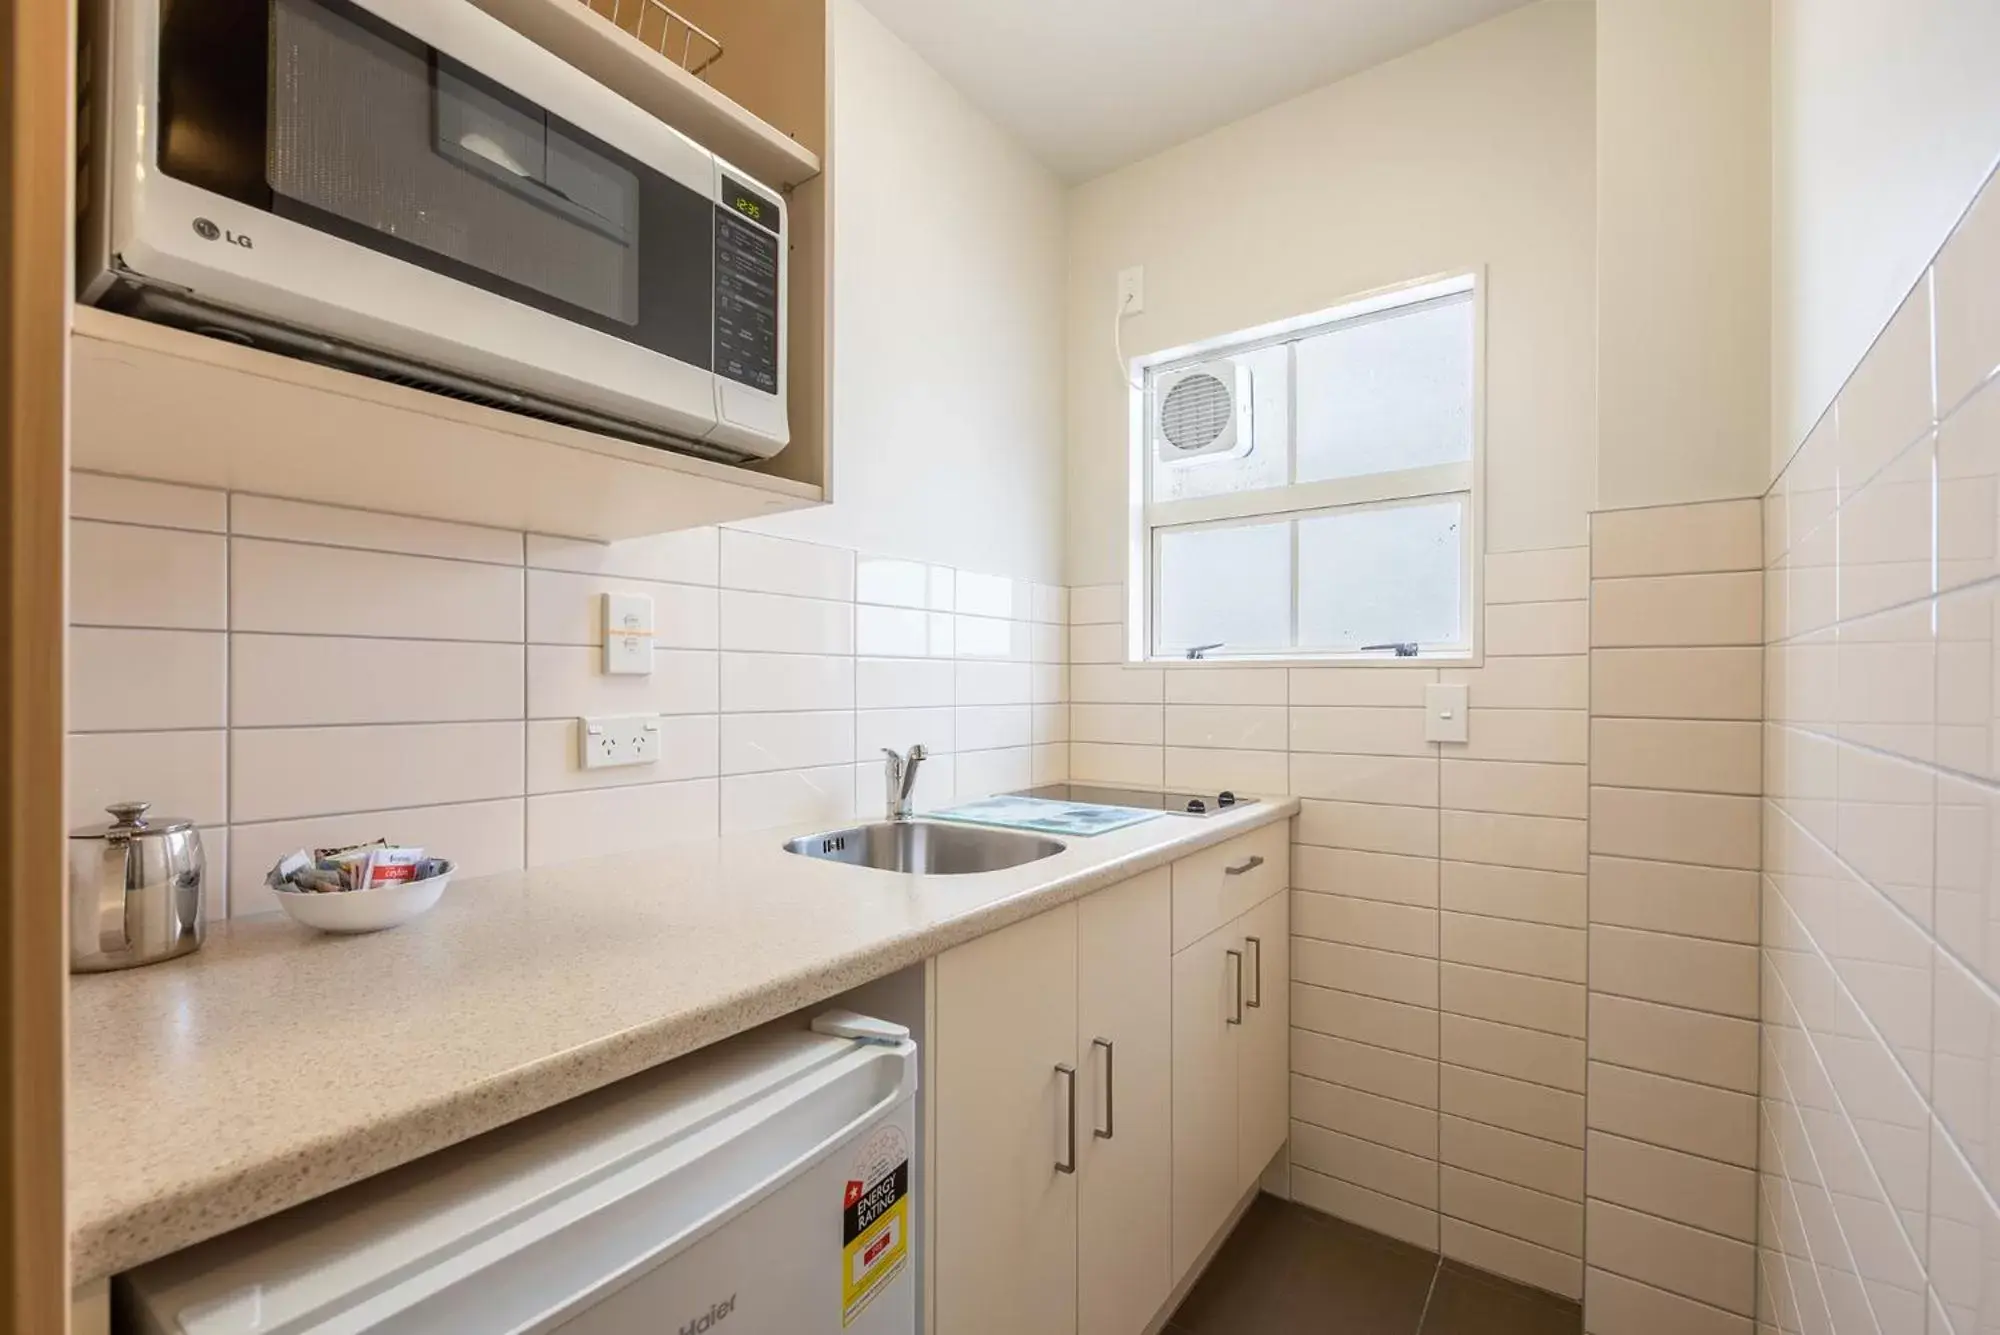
x: 1287, y: 1270
x: 1472, y: 1302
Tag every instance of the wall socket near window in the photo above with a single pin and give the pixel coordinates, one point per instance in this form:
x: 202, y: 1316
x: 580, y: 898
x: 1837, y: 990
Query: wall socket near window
x: 1132, y: 290
x: 1444, y: 712
x: 610, y: 742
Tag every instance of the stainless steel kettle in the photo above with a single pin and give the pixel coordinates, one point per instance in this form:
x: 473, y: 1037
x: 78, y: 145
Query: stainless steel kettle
x: 135, y: 890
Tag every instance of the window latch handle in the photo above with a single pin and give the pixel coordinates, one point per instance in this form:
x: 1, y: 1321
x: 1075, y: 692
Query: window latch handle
x: 1199, y: 650
x: 1404, y: 649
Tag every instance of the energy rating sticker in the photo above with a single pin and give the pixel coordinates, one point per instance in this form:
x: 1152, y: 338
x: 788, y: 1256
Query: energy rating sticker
x: 874, y: 1221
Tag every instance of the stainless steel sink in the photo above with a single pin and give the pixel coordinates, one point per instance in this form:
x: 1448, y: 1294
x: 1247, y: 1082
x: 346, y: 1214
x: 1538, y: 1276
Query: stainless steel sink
x: 925, y: 848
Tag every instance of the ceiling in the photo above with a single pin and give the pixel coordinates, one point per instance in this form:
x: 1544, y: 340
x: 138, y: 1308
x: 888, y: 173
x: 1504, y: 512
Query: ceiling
x: 1089, y: 85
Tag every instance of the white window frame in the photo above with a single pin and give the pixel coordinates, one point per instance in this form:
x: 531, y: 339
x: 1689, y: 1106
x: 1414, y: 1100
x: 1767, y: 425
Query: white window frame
x: 1147, y: 518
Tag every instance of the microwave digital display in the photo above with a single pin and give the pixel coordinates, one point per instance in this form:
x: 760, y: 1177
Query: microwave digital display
x: 751, y: 204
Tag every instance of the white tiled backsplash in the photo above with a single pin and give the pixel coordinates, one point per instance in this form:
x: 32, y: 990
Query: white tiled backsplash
x: 288, y: 674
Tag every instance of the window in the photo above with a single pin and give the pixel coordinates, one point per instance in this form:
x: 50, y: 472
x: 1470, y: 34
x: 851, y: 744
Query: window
x: 1310, y: 489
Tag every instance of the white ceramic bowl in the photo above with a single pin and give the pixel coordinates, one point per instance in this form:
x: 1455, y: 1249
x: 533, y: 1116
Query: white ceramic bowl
x: 366, y: 910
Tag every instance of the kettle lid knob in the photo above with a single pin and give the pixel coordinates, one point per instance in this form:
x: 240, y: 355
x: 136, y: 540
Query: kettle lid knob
x: 131, y: 815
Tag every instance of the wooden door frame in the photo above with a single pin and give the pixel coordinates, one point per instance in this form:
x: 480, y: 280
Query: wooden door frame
x: 36, y: 57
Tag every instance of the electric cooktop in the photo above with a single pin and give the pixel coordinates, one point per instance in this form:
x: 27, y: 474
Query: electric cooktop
x: 1184, y: 804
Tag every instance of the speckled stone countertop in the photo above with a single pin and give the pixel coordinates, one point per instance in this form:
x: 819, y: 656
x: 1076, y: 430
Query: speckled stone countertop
x: 277, y: 1064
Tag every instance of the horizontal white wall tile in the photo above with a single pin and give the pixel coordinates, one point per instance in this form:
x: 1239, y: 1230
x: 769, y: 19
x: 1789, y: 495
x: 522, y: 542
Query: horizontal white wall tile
x: 823, y: 796
x: 775, y: 623
x: 894, y: 684
x: 994, y: 683
x: 1227, y: 686
x: 1096, y: 603
x: 1124, y: 725
x: 565, y: 827
x: 1116, y: 685
x: 1553, y: 574
x: 753, y: 743
x: 876, y: 730
x: 1134, y: 766
x: 1387, y: 685
x: 278, y: 773
x: 894, y: 583
x: 1238, y: 727
x: 293, y: 680
x: 140, y: 679
x: 128, y: 500
x: 180, y: 773
x: 125, y: 576
x: 1537, y: 629
x: 983, y: 773
x: 1540, y: 682
x: 303, y: 590
x: 779, y: 565
x: 1677, y: 539
x: 369, y: 530
x: 569, y: 681
x: 755, y: 683
x: 986, y: 727
x: 1210, y: 769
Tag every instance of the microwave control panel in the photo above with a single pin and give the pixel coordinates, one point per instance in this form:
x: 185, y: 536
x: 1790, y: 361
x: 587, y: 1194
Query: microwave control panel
x: 746, y: 287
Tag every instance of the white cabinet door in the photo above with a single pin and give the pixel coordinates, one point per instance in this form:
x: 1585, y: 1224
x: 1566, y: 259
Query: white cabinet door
x: 1263, y: 1082
x: 1208, y: 1012
x: 1125, y: 1037
x: 1006, y: 1212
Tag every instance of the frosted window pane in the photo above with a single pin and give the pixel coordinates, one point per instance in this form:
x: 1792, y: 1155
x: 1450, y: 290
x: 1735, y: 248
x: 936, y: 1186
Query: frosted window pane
x: 1387, y: 393
x: 1227, y: 584
x: 1381, y: 576
x: 1270, y: 426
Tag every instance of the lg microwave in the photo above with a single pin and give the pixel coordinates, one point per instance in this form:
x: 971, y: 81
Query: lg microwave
x: 413, y: 190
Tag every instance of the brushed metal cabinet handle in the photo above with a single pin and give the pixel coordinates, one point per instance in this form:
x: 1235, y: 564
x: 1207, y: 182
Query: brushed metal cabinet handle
x: 1256, y: 1000
x: 1236, y: 957
x: 1067, y: 1164
x: 1251, y: 863
x: 1110, y: 1090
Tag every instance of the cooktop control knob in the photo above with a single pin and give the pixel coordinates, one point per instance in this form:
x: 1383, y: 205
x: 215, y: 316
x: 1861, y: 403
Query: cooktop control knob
x: 1226, y: 799
x: 1196, y: 806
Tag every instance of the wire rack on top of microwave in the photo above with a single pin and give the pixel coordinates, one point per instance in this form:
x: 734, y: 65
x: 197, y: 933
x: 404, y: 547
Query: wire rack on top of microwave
x: 662, y: 29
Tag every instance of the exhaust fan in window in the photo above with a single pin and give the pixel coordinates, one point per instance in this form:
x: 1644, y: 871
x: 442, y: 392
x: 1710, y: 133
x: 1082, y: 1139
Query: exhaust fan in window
x: 1201, y: 414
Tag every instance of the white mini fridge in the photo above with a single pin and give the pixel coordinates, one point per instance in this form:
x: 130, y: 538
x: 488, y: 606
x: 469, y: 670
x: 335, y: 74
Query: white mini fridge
x: 760, y: 1187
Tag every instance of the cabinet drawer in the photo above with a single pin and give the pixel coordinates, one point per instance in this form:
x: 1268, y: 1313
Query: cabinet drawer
x: 1219, y: 883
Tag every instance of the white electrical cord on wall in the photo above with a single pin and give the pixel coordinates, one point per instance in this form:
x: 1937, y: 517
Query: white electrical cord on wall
x: 1118, y: 342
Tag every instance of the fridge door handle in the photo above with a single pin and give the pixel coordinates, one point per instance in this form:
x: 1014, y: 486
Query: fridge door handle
x: 1067, y: 1164
x: 1236, y: 958
x: 1110, y: 1091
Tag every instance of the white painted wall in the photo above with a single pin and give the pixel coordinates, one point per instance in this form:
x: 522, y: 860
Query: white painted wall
x: 1477, y: 150
x: 1885, y: 120
x: 947, y: 308
x: 1683, y: 250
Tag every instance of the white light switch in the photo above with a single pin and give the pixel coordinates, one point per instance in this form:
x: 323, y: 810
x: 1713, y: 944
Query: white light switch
x: 619, y: 741
x: 628, y: 634
x: 1444, y: 712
